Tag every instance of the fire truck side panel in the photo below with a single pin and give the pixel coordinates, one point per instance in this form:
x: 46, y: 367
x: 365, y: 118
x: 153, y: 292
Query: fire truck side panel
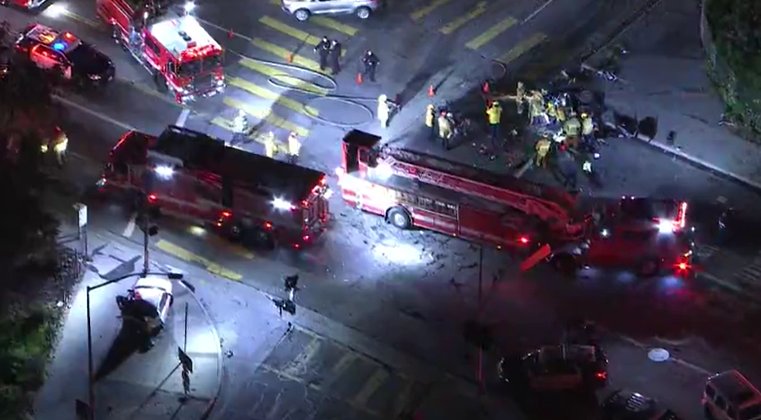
x: 117, y: 13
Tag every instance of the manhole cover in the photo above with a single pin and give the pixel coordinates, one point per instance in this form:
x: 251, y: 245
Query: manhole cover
x: 658, y: 355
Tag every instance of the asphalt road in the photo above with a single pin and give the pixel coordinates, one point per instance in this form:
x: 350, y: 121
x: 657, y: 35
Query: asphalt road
x: 414, y: 290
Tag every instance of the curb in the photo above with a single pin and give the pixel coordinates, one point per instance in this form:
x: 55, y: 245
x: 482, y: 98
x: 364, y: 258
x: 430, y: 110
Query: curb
x: 210, y: 406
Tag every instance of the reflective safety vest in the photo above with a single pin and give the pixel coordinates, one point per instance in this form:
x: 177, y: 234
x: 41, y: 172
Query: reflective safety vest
x: 587, y: 166
x: 445, y: 128
x: 494, y: 113
x: 430, y: 116
x: 270, y: 148
x: 543, y: 147
x: 572, y: 127
x: 587, y: 126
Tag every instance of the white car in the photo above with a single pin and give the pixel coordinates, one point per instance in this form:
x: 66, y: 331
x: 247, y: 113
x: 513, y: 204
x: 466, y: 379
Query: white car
x: 303, y: 9
x: 149, y: 300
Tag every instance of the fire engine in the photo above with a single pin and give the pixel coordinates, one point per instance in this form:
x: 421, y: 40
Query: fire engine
x: 25, y: 4
x: 243, y: 196
x: 182, y: 57
x: 411, y: 189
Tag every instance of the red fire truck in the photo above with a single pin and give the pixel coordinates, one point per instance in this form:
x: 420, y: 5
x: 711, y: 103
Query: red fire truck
x: 242, y: 195
x: 410, y: 190
x: 182, y: 57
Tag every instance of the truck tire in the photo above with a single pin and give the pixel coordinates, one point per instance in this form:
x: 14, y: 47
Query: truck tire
x: 399, y: 217
x: 160, y: 82
x: 648, y: 267
x: 566, y: 264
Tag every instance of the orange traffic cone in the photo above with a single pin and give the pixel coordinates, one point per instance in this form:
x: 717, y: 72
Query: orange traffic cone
x: 431, y: 91
x: 359, y: 78
x: 230, y: 34
x: 289, y: 58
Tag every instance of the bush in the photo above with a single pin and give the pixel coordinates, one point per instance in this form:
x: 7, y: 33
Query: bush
x: 26, y: 340
x: 737, y: 35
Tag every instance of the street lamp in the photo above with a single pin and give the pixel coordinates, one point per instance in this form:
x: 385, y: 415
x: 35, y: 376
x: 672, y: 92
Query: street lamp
x: 90, y: 387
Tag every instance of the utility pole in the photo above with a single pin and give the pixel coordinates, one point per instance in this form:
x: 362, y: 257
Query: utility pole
x: 146, y: 228
x: 480, y: 372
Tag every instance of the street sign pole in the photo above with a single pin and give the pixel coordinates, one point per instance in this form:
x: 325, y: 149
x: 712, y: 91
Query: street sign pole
x: 82, y: 225
x: 185, y: 344
x: 480, y: 372
x: 146, y: 235
x: 90, y: 390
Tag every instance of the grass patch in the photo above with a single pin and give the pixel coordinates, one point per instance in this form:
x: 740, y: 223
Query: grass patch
x: 27, y: 338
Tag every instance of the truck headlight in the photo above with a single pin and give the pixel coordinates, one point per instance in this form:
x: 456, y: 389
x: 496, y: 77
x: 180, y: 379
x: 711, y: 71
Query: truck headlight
x: 95, y: 77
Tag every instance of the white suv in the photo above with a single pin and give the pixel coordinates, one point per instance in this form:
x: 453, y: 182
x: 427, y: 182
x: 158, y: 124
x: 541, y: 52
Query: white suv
x: 303, y: 9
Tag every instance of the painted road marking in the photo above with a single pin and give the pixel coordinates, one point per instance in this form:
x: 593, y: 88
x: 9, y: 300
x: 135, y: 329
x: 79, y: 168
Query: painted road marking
x: 462, y: 20
x: 188, y: 256
x: 96, y: 114
x: 183, y: 118
x: 491, y: 33
x: 130, y: 229
x: 281, y: 76
x: 306, y: 38
x: 337, y: 370
x: 75, y: 16
x: 334, y: 24
x: 750, y: 274
x: 371, y: 385
x: 425, y: 11
x: 286, y: 54
x: 537, y: 11
x: 300, y: 363
x: 522, y: 47
x: 273, y: 96
x: 267, y: 116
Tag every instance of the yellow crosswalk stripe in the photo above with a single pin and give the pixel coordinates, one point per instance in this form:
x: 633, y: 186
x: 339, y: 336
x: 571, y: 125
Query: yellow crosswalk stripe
x: 491, y: 33
x: 274, y: 96
x: 522, y: 47
x: 266, y: 116
x: 257, y: 136
x: 425, y: 11
x: 334, y: 24
x: 285, y: 54
x: 306, y: 38
x: 368, y: 389
x: 188, y: 256
x: 462, y: 20
x: 281, y: 76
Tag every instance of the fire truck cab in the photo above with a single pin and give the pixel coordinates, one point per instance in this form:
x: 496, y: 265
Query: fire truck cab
x: 182, y: 57
x: 414, y: 190
x: 242, y: 195
x: 24, y: 4
x: 648, y: 236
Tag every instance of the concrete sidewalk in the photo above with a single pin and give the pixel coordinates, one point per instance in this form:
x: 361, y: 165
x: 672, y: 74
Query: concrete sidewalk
x: 142, y: 385
x: 664, y: 76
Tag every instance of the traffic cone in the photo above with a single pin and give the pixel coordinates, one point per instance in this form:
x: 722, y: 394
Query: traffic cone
x: 431, y: 91
x: 289, y: 58
x: 359, y: 78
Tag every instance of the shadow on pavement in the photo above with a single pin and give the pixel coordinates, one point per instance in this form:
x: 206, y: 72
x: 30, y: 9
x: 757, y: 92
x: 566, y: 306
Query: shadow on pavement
x: 126, y: 343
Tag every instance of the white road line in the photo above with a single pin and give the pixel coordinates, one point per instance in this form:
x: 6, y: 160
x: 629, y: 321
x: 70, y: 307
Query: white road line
x: 537, y: 11
x: 97, y: 114
x: 692, y: 366
x: 182, y: 118
x: 130, y: 226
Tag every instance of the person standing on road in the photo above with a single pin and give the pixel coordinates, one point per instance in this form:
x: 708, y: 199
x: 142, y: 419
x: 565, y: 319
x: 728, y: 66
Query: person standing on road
x: 542, y: 150
x: 572, y: 129
x: 587, y: 132
x: 494, y: 114
x: 445, y: 130
x: 370, y: 62
x: 270, y: 148
x: 323, y: 49
x: 294, y: 147
x: 334, y: 55
x: 383, y: 110
x: 430, y: 120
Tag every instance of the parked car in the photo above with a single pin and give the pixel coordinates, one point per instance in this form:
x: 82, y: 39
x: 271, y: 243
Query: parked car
x: 628, y: 405
x: 731, y: 396
x: 303, y: 9
x: 556, y: 368
x: 148, y: 302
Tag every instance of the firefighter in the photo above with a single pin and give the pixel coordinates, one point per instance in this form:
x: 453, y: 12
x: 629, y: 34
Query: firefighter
x: 430, y: 120
x: 561, y: 114
x: 383, y: 110
x: 542, y: 150
x: 270, y: 148
x: 494, y: 114
x: 587, y: 132
x: 334, y: 55
x: 552, y: 112
x: 536, y: 108
x: 520, y: 98
x: 294, y: 147
x: 370, y: 62
x: 57, y: 144
x: 572, y: 129
x: 445, y: 130
x: 323, y: 49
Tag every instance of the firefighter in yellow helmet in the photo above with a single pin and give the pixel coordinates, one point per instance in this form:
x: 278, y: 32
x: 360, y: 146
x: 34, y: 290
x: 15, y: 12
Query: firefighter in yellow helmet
x: 587, y: 132
x: 445, y: 130
x: 270, y: 148
x: 542, y: 150
x: 430, y: 119
x: 294, y: 147
x: 383, y: 110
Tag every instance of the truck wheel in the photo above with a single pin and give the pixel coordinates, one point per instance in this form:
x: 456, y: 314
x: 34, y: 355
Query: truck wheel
x: 302, y: 15
x: 648, y: 267
x: 363, y: 12
x: 161, y: 85
x: 565, y: 264
x: 399, y: 218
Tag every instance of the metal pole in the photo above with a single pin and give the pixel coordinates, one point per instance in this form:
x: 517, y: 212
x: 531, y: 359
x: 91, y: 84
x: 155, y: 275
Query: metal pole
x: 90, y: 390
x: 185, y: 344
x: 146, y: 226
x: 84, y: 239
x: 480, y: 296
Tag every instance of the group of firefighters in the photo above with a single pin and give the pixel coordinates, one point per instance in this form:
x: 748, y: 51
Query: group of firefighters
x: 293, y: 145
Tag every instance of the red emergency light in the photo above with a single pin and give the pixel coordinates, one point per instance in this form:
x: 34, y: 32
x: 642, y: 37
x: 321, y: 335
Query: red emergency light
x: 524, y: 240
x: 152, y: 198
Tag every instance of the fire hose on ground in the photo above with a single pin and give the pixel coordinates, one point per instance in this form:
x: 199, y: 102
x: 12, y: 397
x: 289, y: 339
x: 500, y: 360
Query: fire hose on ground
x: 311, y: 87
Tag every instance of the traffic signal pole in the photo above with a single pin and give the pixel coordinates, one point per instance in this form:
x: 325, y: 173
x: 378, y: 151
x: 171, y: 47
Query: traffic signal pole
x: 480, y: 371
x: 146, y: 235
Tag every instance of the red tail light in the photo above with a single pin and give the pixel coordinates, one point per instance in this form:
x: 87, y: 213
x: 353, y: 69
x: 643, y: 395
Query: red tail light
x: 601, y: 375
x: 226, y: 214
x: 306, y: 238
x: 523, y: 240
x: 268, y: 225
x: 152, y: 198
